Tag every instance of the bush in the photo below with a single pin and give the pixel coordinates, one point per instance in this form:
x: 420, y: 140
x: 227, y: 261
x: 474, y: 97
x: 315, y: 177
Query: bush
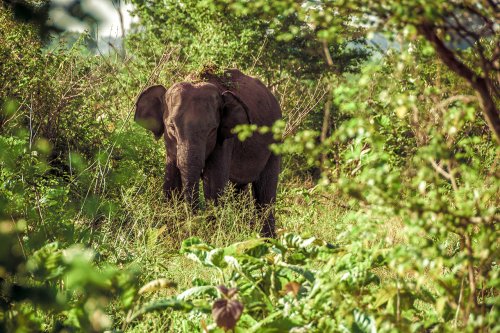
x: 399, y: 233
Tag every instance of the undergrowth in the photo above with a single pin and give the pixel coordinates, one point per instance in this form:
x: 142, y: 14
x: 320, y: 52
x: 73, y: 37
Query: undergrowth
x: 387, y: 212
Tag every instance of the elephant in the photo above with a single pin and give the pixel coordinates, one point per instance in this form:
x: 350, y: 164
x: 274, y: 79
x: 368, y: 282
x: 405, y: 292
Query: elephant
x: 196, y: 120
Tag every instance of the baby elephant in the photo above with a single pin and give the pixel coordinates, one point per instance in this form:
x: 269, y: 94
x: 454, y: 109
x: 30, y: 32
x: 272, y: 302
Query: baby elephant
x: 196, y: 120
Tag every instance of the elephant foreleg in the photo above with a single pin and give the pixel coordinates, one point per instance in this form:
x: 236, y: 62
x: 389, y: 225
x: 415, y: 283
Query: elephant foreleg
x: 172, y: 185
x: 264, y: 192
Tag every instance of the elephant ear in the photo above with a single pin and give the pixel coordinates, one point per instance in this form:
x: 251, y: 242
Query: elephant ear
x: 234, y: 112
x: 149, y: 110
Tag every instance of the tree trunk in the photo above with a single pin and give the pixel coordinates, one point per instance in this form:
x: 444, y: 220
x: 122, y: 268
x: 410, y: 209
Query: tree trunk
x: 118, y: 6
x: 325, y: 128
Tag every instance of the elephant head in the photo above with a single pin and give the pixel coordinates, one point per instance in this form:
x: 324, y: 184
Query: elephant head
x: 193, y: 118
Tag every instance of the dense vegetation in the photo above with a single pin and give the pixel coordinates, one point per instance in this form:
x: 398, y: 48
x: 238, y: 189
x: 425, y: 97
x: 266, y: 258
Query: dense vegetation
x: 388, y: 205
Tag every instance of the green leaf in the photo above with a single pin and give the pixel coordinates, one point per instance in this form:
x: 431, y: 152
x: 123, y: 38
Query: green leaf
x: 243, y: 247
x: 307, y: 274
x: 363, y: 323
x: 197, y: 291
x: 47, y: 263
x: 160, y: 305
x: 384, y: 295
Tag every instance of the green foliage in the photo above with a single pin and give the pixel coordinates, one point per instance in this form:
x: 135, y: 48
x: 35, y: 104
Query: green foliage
x: 432, y: 176
x: 400, y: 233
x: 209, y: 32
x: 57, y: 288
x: 307, y: 284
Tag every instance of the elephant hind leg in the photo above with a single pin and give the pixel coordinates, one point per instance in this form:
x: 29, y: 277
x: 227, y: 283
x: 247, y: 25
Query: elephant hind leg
x: 264, y: 192
x: 240, y: 189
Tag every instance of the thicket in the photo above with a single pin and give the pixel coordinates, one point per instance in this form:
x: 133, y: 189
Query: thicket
x: 388, y: 202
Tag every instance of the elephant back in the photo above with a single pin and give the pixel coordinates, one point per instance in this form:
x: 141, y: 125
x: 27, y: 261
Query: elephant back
x: 263, y: 107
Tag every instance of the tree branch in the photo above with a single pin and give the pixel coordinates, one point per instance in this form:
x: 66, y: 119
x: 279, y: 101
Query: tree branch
x: 479, y: 83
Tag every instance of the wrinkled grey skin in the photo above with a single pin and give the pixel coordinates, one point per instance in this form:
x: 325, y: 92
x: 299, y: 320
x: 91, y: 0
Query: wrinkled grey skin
x: 196, y: 121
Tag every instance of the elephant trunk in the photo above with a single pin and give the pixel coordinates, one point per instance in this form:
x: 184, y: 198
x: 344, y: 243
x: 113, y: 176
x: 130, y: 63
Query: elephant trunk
x: 191, y: 163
